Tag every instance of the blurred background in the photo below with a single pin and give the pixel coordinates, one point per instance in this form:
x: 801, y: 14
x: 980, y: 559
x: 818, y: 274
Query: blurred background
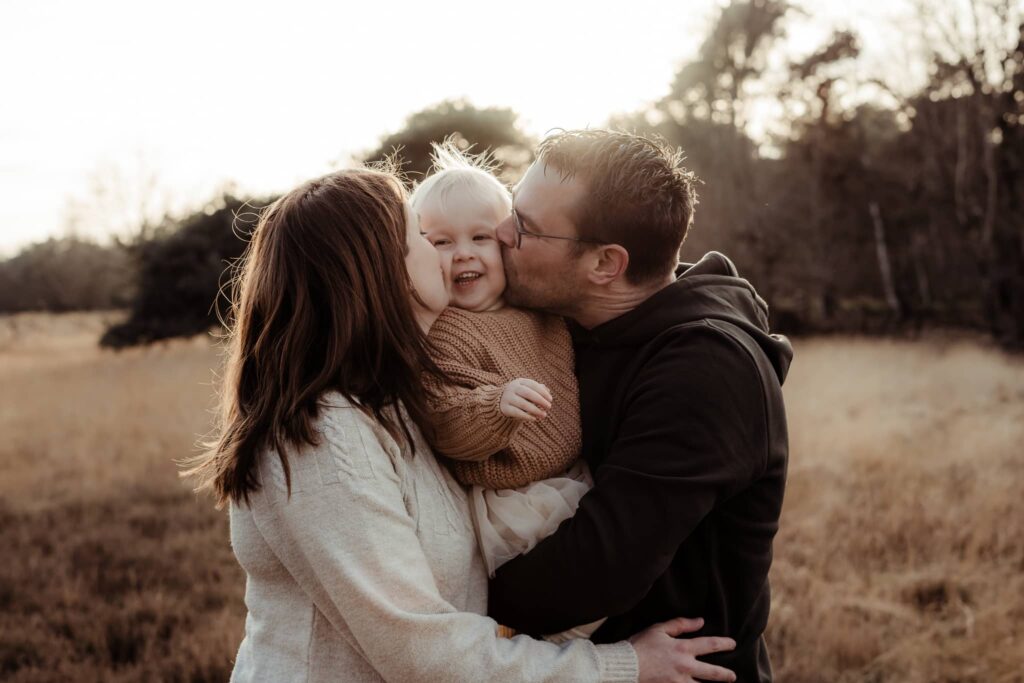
x: 862, y: 163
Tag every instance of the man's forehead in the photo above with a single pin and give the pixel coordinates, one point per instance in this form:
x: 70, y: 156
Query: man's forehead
x: 544, y: 178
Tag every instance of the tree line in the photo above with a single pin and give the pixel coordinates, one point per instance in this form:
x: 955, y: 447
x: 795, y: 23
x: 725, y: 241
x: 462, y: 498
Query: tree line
x: 900, y: 210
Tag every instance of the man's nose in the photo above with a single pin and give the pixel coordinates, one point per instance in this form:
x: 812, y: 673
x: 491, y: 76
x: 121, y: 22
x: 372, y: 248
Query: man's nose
x: 505, y: 233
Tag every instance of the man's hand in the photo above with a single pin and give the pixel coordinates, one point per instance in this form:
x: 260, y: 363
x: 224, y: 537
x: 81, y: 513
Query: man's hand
x: 524, y: 399
x: 666, y: 659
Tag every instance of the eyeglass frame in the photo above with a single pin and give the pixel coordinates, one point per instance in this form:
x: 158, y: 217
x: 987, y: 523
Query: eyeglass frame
x: 517, y: 220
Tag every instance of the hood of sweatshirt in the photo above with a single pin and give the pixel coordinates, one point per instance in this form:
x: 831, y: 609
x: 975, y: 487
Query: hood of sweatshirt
x: 710, y: 289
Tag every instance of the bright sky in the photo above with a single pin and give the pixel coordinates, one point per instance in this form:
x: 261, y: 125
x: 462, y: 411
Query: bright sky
x: 196, y: 94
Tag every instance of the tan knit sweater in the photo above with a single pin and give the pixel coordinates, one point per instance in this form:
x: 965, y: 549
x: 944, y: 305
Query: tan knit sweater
x: 482, y: 352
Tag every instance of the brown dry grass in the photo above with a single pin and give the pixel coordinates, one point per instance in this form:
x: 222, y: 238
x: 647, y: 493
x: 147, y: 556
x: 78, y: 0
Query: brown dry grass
x: 901, y: 555
x: 112, y: 570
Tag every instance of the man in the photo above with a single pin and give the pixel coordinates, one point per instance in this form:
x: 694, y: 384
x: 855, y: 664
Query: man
x: 683, y: 421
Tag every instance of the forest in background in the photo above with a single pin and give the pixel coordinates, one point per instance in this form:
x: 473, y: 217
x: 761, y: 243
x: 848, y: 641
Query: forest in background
x: 868, y: 209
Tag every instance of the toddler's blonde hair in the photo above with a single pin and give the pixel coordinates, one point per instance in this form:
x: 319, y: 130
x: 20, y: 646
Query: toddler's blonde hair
x: 457, y: 170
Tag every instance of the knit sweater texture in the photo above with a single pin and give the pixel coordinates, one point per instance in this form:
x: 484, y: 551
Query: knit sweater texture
x: 482, y: 352
x: 369, y: 571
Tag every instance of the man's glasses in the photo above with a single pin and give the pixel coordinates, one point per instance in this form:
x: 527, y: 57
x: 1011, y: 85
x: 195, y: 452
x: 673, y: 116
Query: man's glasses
x: 520, y: 231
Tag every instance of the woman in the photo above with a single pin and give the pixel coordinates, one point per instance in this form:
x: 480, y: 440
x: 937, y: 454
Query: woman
x: 360, y: 557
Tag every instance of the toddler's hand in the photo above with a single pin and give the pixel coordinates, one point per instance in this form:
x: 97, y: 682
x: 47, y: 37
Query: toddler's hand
x: 524, y: 399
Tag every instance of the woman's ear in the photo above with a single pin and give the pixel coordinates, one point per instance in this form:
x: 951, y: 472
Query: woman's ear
x: 611, y: 261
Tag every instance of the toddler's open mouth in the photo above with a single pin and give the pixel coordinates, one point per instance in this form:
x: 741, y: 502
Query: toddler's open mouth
x: 467, y: 278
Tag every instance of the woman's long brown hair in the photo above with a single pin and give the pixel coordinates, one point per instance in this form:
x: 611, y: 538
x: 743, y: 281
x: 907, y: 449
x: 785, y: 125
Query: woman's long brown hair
x: 323, y: 301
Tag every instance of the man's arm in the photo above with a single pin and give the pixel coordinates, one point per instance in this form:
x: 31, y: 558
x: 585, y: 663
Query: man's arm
x: 689, y: 438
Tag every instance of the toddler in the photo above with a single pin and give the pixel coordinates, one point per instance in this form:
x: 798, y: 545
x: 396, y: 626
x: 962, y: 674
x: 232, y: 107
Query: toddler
x: 509, y: 422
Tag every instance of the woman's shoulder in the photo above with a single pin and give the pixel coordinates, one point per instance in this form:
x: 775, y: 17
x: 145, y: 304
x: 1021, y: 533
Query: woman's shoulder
x: 345, y: 424
x: 336, y: 413
x: 347, y: 444
x: 334, y: 407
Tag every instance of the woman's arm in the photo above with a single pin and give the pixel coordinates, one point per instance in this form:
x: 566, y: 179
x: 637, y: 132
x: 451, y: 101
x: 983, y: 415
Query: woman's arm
x: 349, y: 541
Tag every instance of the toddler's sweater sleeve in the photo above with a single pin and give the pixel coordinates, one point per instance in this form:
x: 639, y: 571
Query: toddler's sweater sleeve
x: 466, y: 413
x: 481, y: 353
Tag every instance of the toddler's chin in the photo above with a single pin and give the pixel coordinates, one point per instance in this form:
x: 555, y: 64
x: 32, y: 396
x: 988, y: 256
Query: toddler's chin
x: 476, y: 305
x: 465, y: 303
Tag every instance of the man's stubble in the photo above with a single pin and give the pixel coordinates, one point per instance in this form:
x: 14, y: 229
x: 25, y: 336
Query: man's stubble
x: 551, y: 290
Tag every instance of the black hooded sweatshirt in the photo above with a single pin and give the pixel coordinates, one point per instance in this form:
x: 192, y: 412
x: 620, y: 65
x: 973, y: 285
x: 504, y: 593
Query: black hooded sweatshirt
x: 684, y: 430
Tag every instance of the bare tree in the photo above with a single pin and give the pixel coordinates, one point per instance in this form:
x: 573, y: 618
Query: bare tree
x: 126, y: 200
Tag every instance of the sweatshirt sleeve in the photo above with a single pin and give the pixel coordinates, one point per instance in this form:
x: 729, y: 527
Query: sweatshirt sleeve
x: 688, y: 439
x: 350, y: 543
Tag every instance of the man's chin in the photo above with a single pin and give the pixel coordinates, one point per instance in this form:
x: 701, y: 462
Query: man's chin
x: 521, y: 299
x: 514, y: 297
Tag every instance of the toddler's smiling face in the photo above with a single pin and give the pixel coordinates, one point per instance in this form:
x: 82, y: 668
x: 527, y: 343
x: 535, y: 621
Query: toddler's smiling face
x: 463, y: 233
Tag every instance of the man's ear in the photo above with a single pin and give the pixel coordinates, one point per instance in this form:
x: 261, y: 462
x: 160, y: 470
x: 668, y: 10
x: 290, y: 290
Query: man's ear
x: 611, y: 261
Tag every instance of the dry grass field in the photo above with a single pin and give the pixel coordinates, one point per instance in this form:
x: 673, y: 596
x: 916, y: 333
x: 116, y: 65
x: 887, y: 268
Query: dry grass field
x: 901, y: 555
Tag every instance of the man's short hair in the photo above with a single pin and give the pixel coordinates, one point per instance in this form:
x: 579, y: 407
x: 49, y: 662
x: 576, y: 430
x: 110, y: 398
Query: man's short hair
x: 638, y: 194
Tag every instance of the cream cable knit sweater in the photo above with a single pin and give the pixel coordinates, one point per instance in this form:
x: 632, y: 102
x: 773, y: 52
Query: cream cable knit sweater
x: 370, y: 572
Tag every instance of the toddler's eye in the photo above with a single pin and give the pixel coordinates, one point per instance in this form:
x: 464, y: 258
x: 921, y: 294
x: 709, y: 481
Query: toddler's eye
x: 442, y: 242
x: 481, y: 238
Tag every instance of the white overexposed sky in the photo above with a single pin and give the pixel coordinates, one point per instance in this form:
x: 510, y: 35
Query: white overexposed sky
x: 179, y: 99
